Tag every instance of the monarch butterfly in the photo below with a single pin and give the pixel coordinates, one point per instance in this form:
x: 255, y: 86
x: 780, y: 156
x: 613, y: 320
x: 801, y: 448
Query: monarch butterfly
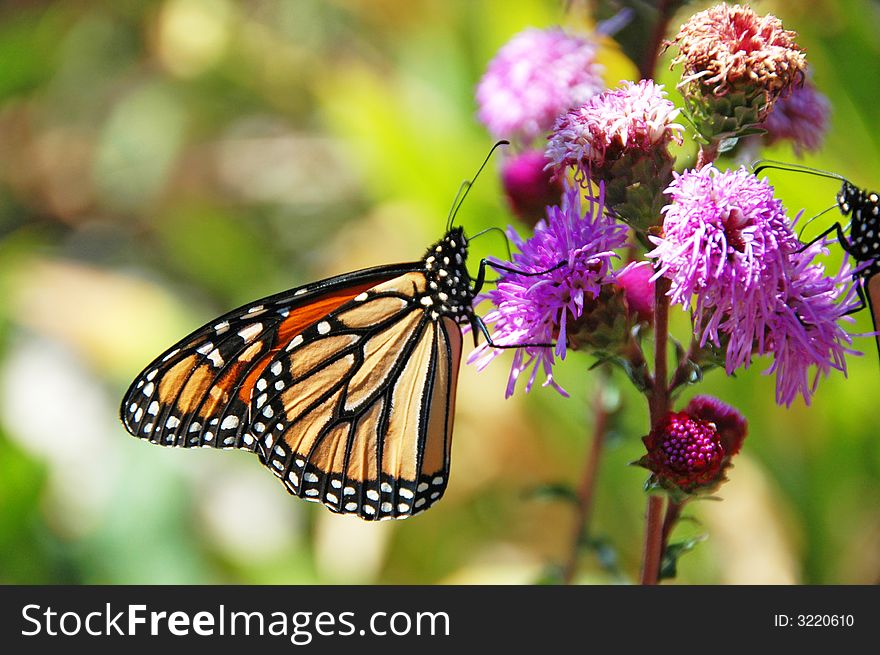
x: 345, y: 388
x: 863, y: 245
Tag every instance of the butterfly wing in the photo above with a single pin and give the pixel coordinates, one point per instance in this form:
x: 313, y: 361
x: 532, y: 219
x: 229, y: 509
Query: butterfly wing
x: 198, y: 392
x: 357, y: 411
x: 345, y: 388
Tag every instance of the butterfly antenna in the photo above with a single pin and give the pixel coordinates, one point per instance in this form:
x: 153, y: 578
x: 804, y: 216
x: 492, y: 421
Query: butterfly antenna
x: 821, y: 213
x: 495, y: 228
x: 452, y: 209
x: 459, y: 199
x: 764, y: 164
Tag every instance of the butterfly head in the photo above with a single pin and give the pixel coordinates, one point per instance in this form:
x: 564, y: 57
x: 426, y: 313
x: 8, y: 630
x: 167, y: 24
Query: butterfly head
x: 848, y: 197
x: 449, y: 285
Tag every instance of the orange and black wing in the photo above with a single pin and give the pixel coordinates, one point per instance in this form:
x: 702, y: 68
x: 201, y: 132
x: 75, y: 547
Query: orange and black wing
x: 357, y: 412
x: 198, y: 392
x: 345, y: 389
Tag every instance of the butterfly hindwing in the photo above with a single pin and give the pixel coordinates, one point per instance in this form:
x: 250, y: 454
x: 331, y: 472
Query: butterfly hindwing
x: 357, y: 414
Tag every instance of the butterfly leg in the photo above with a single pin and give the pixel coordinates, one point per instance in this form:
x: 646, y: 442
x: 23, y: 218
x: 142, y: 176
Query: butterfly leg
x: 841, y: 239
x: 479, y: 325
x: 864, y: 301
x: 484, y: 263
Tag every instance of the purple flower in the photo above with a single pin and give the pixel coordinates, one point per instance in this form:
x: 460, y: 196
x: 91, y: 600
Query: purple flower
x: 731, y: 425
x: 805, y: 330
x: 636, y: 280
x: 800, y: 117
x: 635, y: 117
x: 726, y: 241
x: 534, y: 78
x: 529, y: 186
x: 538, y: 309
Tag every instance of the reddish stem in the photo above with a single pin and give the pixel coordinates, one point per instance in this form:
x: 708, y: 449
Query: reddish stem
x: 673, y: 512
x: 658, y: 403
x: 652, y: 53
x: 587, y: 487
x: 653, y: 540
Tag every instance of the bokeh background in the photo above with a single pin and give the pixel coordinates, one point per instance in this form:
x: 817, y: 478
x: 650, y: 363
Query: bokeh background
x: 162, y: 162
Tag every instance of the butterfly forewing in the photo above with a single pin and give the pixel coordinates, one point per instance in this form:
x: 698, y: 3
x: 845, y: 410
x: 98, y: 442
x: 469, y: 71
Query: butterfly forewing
x: 198, y: 392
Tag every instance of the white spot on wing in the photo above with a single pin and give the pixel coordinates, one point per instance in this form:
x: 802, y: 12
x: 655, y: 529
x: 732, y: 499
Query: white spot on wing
x: 216, y: 358
x: 229, y: 422
x: 250, y: 332
x: 323, y: 327
x: 166, y: 358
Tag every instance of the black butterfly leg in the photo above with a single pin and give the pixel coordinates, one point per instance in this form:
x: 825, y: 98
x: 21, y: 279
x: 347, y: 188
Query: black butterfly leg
x: 841, y: 239
x: 481, y: 273
x: 866, y: 301
x: 478, y: 324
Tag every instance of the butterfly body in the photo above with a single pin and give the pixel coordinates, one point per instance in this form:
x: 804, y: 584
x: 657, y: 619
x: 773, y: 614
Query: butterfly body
x: 863, y: 209
x: 345, y: 388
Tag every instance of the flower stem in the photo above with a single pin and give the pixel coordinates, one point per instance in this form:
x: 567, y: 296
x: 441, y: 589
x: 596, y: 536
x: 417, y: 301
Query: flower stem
x: 658, y: 403
x: 659, y: 398
x: 652, y: 53
x: 587, y: 486
x: 673, y: 512
x: 653, y: 540
x: 682, y: 373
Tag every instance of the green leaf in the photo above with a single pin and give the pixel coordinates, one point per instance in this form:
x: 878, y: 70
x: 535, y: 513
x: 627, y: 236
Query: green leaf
x: 673, y: 552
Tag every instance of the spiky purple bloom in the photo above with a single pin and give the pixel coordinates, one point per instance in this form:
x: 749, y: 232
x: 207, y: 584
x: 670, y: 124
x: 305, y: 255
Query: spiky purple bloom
x: 537, y: 309
x: 635, y: 117
x: 535, y: 77
x: 805, y: 330
x: 728, y: 243
x: 800, y: 117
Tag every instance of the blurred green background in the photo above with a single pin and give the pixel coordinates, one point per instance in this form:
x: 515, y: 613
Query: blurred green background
x: 162, y: 162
